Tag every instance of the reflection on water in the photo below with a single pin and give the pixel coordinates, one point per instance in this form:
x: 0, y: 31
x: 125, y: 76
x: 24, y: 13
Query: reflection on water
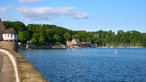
x: 89, y: 65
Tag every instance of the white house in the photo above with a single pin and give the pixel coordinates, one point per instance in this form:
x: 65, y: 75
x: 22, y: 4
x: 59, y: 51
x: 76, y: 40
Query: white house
x: 10, y: 34
x: 76, y: 42
x: 8, y: 38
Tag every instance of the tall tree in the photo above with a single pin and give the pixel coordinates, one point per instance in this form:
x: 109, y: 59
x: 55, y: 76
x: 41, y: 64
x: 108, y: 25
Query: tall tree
x: 33, y: 40
x: 57, y: 37
x: 24, y: 36
x: 67, y: 36
x: 17, y: 25
x: 41, y: 40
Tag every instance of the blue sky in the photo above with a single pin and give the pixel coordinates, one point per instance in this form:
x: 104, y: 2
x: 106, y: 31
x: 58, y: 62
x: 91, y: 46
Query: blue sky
x: 89, y: 15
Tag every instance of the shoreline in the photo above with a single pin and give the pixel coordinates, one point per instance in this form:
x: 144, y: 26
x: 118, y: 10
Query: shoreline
x: 82, y: 47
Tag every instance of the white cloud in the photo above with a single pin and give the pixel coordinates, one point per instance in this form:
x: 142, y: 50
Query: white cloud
x: 44, y: 13
x: 5, y: 14
x: 28, y: 1
x: 3, y: 9
x: 80, y: 15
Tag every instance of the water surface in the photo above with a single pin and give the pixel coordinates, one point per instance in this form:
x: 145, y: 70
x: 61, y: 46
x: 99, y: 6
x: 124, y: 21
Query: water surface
x: 89, y: 64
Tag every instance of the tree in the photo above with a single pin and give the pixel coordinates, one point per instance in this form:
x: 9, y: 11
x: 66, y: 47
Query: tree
x: 126, y: 38
x: 67, y: 36
x: 74, y: 36
x: 81, y: 35
x: 109, y: 40
x: 88, y: 39
x: 118, y: 38
x: 24, y: 36
x: 45, y: 33
x: 7, y: 24
x: 144, y: 39
x: 33, y: 40
x: 49, y: 34
x: 17, y: 25
x: 135, y: 38
x: 57, y: 37
x: 41, y: 40
x: 32, y: 27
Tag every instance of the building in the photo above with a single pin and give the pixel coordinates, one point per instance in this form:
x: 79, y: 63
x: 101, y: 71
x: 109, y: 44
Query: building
x: 10, y: 34
x: 86, y: 44
x: 75, y: 43
x: 2, y: 30
x: 8, y: 38
x: 69, y: 44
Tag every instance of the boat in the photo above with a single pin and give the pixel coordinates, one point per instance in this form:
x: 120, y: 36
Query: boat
x: 116, y: 52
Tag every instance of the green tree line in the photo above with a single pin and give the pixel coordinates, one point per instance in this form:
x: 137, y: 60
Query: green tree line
x: 52, y: 34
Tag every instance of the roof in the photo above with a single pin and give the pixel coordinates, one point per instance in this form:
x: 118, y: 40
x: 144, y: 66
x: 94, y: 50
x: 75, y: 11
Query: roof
x: 85, y: 42
x: 77, y: 40
x: 10, y: 30
x: 2, y: 28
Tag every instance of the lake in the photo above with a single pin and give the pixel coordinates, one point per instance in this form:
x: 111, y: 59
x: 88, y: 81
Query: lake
x: 89, y: 64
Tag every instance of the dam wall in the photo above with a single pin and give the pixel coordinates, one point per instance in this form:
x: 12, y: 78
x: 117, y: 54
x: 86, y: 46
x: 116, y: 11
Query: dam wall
x: 24, y: 71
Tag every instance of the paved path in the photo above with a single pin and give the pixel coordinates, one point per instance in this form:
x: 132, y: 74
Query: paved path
x: 7, y: 73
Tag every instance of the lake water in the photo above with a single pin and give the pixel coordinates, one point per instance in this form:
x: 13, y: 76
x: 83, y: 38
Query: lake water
x: 89, y: 64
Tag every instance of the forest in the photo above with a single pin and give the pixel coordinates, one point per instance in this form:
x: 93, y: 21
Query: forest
x: 41, y: 34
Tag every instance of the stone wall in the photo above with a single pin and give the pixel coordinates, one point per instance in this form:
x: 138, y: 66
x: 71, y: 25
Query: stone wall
x: 10, y: 45
x: 26, y: 72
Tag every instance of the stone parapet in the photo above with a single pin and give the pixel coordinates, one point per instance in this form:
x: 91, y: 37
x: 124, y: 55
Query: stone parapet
x: 10, y: 45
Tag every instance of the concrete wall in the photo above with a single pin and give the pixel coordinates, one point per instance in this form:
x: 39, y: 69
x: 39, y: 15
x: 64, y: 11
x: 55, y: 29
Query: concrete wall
x: 25, y: 71
x: 12, y: 58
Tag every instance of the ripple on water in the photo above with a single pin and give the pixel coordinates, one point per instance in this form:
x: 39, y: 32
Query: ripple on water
x: 90, y: 65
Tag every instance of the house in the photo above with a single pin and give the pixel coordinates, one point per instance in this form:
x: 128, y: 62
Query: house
x: 86, y: 44
x: 74, y: 43
x: 8, y: 37
x: 7, y: 34
x: 69, y: 44
x: 10, y: 34
x: 2, y: 30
